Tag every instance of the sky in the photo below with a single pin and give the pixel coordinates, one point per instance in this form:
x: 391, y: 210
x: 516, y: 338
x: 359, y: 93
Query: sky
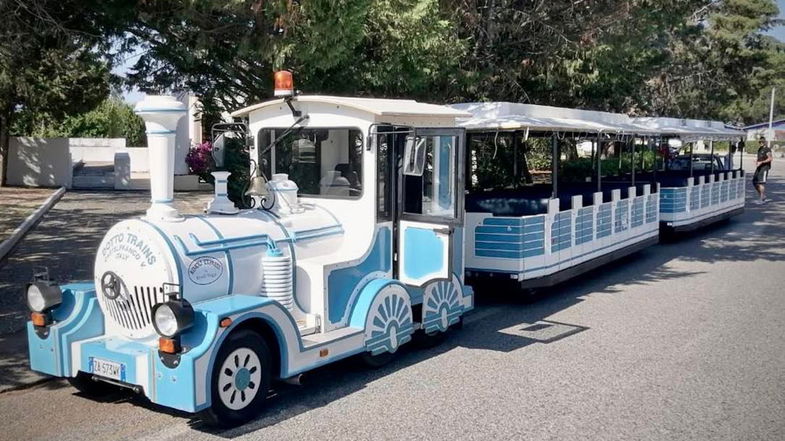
x: 779, y: 31
x: 133, y: 96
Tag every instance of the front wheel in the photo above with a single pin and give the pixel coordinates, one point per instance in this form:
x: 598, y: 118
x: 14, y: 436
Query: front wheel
x: 240, y: 381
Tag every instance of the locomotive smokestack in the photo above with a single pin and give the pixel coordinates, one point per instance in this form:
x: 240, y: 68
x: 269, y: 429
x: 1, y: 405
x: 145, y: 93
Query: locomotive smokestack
x: 161, y: 114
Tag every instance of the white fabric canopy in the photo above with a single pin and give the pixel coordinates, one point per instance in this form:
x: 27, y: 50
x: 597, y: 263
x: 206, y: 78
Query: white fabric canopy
x: 515, y: 116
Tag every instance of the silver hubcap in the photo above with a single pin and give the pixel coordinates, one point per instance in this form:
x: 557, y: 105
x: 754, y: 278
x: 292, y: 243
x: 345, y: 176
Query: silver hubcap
x: 239, y: 379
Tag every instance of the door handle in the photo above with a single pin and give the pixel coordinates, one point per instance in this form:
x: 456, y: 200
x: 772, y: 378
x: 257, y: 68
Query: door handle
x: 447, y: 230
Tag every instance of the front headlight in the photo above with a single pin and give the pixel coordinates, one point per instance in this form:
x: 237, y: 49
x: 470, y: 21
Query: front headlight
x: 42, y: 296
x: 173, y: 317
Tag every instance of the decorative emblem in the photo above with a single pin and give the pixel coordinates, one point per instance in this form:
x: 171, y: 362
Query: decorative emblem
x: 205, y: 270
x: 112, y: 286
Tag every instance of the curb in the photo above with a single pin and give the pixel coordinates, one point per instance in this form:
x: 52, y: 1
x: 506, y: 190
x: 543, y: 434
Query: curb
x: 7, y: 245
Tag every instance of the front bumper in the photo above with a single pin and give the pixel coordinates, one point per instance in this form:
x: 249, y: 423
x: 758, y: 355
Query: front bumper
x: 77, y: 338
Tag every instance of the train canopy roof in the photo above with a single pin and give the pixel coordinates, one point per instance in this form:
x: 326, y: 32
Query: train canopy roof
x: 690, y: 129
x: 515, y: 116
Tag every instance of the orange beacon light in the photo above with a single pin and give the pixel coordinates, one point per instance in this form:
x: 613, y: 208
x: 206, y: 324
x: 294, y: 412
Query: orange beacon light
x: 284, y: 84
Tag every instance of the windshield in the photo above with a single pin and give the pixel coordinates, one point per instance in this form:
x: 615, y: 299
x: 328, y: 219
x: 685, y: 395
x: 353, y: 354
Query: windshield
x: 699, y: 162
x: 324, y: 162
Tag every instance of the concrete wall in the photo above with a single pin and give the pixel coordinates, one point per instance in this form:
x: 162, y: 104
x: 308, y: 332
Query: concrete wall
x: 39, y: 162
x: 94, y: 149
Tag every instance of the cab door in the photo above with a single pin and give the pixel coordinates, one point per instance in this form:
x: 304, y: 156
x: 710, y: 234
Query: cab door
x: 430, y: 205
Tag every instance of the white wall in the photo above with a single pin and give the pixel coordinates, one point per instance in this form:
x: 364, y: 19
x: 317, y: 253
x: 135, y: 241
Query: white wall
x: 39, y: 162
x: 189, y: 132
x: 94, y: 149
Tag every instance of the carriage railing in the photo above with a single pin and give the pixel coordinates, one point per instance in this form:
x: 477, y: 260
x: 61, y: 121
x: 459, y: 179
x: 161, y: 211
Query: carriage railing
x: 537, y: 245
x: 703, y: 196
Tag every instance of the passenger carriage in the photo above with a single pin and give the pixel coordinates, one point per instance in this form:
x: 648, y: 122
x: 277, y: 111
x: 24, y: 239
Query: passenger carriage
x: 695, y: 193
x: 536, y: 234
x: 355, y: 244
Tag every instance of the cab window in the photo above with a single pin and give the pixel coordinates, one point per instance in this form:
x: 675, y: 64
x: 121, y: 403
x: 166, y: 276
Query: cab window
x: 322, y: 162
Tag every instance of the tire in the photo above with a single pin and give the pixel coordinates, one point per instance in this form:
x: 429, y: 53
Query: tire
x: 240, y: 380
x: 425, y: 341
x: 377, y: 361
x: 83, y: 382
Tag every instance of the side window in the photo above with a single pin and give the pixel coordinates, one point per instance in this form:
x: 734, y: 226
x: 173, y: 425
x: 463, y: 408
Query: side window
x: 322, y: 162
x: 433, y: 193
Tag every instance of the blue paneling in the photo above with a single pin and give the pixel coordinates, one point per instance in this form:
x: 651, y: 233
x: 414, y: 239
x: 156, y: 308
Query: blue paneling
x: 561, y: 232
x: 510, y: 238
x: 584, y: 226
x: 715, y: 194
x: 621, y: 215
x: 694, y: 198
x: 705, y: 196
x: 423, y: 252
x: 637, y: 212
x: 604, y: 221
x: 651, y: 208
x: 342, y: 282
x: 673, y: 200
x: 78, y: 318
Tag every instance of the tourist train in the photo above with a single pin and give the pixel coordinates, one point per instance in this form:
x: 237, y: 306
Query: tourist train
x: 377, y: 218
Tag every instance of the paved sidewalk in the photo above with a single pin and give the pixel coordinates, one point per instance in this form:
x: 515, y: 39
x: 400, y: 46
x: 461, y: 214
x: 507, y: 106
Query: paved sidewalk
x: 16, y: 203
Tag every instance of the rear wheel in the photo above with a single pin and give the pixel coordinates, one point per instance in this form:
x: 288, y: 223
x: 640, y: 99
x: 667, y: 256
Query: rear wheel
x: 84, y: 383
x: 240, y: 381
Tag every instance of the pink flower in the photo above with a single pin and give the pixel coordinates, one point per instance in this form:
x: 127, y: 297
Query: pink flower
x: 200, y: 158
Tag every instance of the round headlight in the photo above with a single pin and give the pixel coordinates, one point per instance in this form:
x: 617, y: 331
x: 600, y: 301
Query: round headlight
x: 42, y: 296
x: 173, y: 317
x: 35, y: 298
x: 165, y: 321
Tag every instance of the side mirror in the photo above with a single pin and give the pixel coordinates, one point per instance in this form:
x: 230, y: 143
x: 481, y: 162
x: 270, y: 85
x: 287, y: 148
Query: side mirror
x: 219, y: 150
x: 414, y: 156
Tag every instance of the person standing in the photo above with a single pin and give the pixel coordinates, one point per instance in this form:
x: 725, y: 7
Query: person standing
x: 762, y: 167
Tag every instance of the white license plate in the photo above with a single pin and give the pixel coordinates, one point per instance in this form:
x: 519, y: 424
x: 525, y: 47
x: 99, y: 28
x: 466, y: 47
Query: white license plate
x: 108, y: 369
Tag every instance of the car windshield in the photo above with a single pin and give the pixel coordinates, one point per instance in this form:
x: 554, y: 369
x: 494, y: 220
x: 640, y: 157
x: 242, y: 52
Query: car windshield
x: 699, y: 162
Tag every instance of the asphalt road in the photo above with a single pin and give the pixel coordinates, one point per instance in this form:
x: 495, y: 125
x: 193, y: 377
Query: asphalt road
x: 685, y: 340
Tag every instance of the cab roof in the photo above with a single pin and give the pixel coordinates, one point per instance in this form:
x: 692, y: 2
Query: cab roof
x: 375, y: 106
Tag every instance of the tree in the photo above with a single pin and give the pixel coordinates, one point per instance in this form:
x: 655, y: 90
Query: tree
x: 50, y: 62
x: 112, y: 118
x: 721, y: 64
x: 226, y: 52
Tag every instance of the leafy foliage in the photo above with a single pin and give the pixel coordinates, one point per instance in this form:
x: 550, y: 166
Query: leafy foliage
x: 112, y: 118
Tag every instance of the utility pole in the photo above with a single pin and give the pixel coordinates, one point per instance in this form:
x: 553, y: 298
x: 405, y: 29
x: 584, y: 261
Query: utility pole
x: 771, y: 117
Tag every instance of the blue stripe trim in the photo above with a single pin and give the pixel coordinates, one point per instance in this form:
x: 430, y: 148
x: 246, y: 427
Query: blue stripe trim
x: 539, y: 268
x: 221, y: 195
x: 161, y: 201
x: 161, y: 132
x: 227, y: 253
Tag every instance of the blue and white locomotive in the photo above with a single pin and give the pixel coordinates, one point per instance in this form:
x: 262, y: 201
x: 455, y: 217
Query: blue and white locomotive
x: 355, y: 245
